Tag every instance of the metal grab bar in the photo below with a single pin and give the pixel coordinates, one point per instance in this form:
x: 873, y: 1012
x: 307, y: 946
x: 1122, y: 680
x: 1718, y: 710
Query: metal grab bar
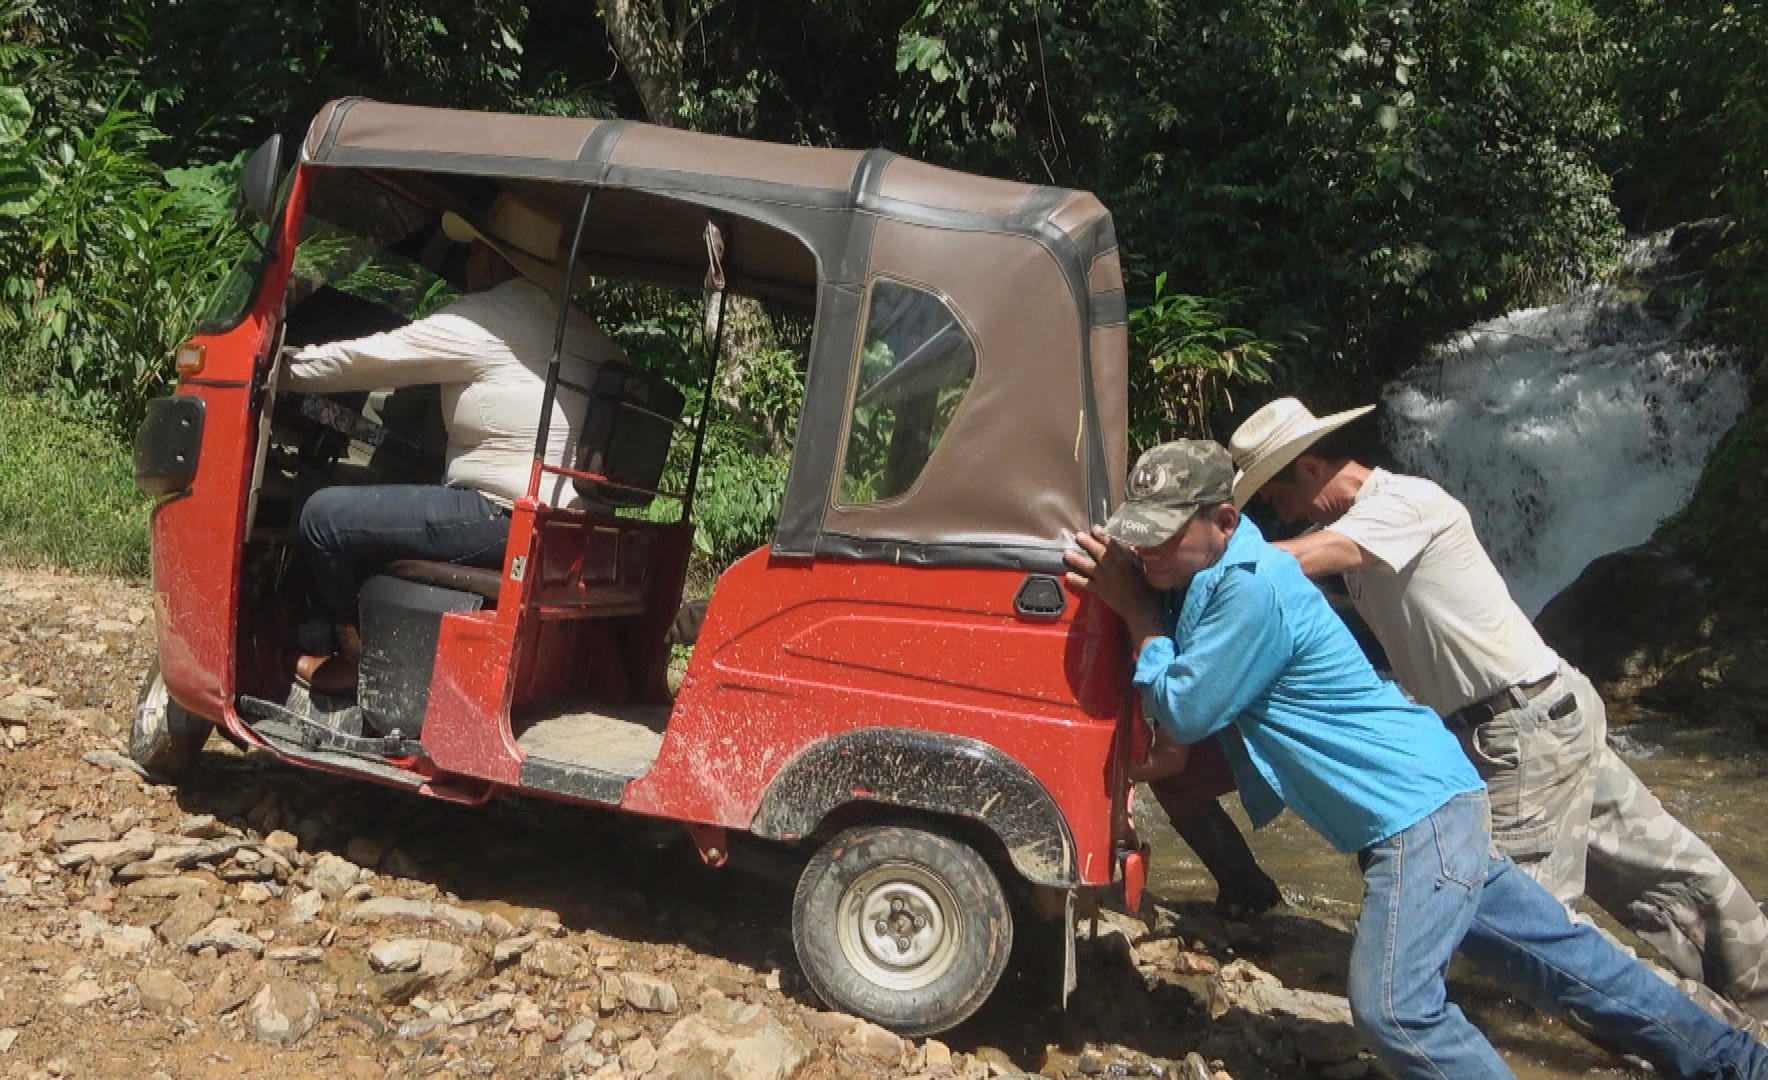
x: 598, y: 478
x: 558, y: 349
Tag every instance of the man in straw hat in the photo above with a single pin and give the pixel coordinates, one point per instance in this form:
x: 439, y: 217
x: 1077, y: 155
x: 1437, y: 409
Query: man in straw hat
x: 1231, y: 639
x: 1562, y: 800
x: 489, y: 350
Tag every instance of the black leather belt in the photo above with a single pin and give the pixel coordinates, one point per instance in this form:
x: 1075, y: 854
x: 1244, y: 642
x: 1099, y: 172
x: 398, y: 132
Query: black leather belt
x: 1511, y: 697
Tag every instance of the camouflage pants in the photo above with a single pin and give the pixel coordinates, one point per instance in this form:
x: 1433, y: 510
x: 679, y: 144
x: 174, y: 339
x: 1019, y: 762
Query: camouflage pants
x: 1569, y: 811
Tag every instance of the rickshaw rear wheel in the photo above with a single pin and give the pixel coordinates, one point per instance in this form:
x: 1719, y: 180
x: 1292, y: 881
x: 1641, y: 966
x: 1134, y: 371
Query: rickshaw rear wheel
x: 904, y: 926
x: 164, y: 737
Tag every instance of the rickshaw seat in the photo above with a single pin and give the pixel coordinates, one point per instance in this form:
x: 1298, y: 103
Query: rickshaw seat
x: 626, y: 434
x: 471, y: 579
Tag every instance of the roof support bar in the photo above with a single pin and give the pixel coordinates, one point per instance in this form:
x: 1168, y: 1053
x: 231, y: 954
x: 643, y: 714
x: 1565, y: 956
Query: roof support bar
x: 715, y: 288
x: 558, y: 351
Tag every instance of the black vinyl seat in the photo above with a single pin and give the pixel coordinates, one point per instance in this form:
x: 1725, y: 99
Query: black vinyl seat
x: 473, y: 579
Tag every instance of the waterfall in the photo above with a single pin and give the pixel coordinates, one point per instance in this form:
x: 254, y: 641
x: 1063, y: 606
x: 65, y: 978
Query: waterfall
x: 1569, y: 431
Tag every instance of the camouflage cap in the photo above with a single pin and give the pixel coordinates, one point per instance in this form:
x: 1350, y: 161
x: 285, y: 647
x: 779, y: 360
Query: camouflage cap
x: 1167, y: 486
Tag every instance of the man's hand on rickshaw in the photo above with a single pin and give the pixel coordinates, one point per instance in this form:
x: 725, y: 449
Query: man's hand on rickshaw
x: 1165, y: 758
x: 1111, y: 571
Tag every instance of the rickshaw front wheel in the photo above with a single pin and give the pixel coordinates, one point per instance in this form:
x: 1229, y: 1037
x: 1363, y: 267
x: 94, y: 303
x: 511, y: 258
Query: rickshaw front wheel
x: 903, y: 926
x: 164, y: 737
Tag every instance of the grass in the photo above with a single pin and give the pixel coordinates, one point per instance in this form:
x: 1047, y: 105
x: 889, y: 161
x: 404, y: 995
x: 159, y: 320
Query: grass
x: 67, y: 494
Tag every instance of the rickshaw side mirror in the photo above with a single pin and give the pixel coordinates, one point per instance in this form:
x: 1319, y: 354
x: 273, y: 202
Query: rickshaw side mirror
x: 259, y: 179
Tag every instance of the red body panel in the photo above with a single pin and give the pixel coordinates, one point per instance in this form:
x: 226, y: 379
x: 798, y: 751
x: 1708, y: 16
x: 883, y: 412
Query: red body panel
x: 792, y: 652
x: 197, y: 542
x: 488, y: 662
x: 466, y: 729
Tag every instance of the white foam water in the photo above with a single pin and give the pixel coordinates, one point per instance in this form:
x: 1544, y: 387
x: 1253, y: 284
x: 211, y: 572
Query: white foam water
x: 1569, y: 431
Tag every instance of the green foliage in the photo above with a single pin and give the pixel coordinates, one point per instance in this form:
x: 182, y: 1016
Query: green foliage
x: 1379, y: 172
x: 1305, y: 193
x: 748, y: 438
x: 1741, y: 299
x: 1186, y: 364
x: 1673, y: 70
x: 738, y: 502
x: 67, y: 496
x: 105, y: 258
x: 1692, y: 85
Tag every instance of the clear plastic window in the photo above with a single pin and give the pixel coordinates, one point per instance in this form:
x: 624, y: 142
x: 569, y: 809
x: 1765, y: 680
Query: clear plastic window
x: 362, y: 240
x: 915, y: 366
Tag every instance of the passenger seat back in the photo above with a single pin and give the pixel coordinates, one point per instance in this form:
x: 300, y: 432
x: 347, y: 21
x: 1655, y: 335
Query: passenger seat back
x: 626, y: 435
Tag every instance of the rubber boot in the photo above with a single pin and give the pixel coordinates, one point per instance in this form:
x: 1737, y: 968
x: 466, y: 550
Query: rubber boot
x: 1242, y: 886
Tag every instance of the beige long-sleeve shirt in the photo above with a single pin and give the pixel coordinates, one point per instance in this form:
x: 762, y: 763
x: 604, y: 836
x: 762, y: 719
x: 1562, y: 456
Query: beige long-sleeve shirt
x: 489, y: 352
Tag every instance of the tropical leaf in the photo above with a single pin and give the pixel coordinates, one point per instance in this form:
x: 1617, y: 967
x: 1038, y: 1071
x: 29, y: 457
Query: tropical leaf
x: 15, y: 114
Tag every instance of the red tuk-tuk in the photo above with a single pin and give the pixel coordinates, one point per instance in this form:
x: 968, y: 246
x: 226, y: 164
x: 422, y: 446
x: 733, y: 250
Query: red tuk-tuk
x: 898, y: 688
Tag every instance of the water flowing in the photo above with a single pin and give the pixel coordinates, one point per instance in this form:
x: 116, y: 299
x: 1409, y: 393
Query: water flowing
x: 1569, y: 431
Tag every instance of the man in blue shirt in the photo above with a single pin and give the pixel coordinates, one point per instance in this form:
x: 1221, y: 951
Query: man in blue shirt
x: 1233, y: 641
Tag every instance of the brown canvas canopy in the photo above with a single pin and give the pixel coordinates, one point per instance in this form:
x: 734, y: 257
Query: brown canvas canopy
x: 1035, y: 444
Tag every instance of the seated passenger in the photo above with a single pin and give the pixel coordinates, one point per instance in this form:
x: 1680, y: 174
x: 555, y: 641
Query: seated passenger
x: 489, y: 352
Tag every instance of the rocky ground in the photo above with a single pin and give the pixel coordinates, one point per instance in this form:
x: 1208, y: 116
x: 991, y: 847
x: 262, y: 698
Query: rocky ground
x: 262, y: 918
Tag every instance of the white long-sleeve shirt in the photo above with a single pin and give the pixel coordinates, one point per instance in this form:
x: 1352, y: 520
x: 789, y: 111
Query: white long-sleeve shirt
x: 489, y: 352
x: 1433, y: 597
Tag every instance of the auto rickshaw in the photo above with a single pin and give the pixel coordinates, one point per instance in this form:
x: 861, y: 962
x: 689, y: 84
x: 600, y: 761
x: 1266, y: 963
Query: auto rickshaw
x: 897, y: 691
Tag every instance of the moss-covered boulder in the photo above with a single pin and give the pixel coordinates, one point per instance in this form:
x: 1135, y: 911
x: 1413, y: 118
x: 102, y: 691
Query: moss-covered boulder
x: 1682, y: 623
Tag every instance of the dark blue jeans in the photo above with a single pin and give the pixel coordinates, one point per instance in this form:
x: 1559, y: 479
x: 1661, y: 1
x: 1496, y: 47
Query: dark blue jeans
x: 349, y: 533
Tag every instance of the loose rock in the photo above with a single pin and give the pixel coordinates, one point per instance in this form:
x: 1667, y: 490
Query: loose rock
x: 512, y: 949
x: 189, y: 914
x: 283, y: 1011
x: 436, y: 958
x: 304, y: 908
x: 393, y: 907
x: 333, y: 876
x: 639, y: 1056
x: 495, y: 1005
x: 225, y: 935
x: 162, y: 992
x: 874, y: 1042
x: 556, y: 960
x: 747, y: 1045
x: 81, y: 994
x: 649, y: 993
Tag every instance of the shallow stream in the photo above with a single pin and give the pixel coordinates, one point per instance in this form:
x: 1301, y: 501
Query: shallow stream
x: 1712, y: 780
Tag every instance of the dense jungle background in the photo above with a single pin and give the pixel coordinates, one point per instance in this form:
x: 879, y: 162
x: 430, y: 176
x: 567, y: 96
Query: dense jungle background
x: 1307, y: 194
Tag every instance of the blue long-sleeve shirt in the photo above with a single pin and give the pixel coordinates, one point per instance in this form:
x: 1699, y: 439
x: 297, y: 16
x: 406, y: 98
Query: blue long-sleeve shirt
x: 1256, y: 648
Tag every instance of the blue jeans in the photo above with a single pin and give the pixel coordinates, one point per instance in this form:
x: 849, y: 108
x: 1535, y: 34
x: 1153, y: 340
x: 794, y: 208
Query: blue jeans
x: 1421, y: 891
x: 1522, y: 937
x: 348, y: 533
x: 1437, y: 886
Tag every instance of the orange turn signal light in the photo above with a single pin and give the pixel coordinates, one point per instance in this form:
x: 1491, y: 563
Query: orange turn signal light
x: 190, y: 360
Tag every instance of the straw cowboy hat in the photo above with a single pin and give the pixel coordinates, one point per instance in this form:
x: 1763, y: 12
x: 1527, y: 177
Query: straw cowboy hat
x: 1275, y: 436
x: 526, y: 238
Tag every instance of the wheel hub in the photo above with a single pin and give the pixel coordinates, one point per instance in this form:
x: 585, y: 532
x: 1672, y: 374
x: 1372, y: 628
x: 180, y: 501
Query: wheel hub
x: 897, y: 926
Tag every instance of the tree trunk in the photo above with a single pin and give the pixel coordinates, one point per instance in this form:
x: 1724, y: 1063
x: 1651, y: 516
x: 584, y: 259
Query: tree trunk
x: 642, y: 37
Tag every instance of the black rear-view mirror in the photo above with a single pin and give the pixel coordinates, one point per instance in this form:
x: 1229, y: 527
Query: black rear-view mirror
x: 259, y: 179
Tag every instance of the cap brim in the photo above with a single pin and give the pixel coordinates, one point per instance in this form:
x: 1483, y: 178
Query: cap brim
x: 1148, y: 526
x: 1248, y: 481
